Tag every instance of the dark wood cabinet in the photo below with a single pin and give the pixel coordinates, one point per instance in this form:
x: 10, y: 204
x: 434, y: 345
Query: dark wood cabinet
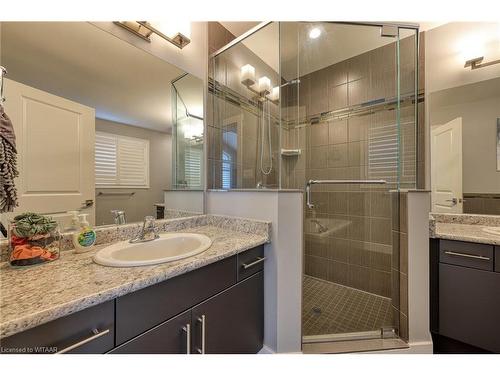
x: 469, y: 306
x: 216, y: 309
x: 90, y: 331
x: 464, y: 303
x: 232, y: 321
x: 170, y: 337
x: 157, y: 303
x: 497, y: 258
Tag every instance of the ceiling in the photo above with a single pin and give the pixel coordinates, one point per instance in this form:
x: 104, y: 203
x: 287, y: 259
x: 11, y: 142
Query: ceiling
x: 336, y: 43
x: 83, y: 63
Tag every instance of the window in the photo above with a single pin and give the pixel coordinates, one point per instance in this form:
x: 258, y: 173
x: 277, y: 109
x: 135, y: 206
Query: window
x: 226, y: 171
x: 192, y: 167
x: 121, y: 162
x: 383, y: 153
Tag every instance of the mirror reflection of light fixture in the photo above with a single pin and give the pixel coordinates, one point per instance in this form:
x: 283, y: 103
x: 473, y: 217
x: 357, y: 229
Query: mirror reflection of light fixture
x: 274, y: 95
x: 177, y: 33
x: 261, y: 87
x: 314, y: 33
x: 477, y: 63
x: 264, y: 85
x: 247, y: 75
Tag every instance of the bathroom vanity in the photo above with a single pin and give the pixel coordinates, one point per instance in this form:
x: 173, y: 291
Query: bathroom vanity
x: 464, y: 284
x: 209, y: 303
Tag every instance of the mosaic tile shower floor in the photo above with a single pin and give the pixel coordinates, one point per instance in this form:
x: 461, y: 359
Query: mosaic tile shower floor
x: 330, y: 308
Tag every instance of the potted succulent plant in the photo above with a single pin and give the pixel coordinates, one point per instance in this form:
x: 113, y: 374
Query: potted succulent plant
x: 34, y: 239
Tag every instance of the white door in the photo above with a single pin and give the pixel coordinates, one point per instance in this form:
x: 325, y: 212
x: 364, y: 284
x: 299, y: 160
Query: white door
x: 446, y: 167
x: 55, y: 143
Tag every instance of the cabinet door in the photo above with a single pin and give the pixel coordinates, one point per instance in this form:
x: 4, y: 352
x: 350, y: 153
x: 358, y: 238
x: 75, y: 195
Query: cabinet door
x: 469, y: 307
x: 170, y: 337
x: 233, y: 319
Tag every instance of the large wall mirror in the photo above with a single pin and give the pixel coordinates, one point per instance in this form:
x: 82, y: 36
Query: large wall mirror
x: 102, y: 126
x: 464, y: 116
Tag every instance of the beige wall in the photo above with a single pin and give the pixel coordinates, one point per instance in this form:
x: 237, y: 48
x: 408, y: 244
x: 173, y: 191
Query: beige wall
x: 160, y: 171
x: 479, y: 106
x: 446, y: 50
x: 450, y: 45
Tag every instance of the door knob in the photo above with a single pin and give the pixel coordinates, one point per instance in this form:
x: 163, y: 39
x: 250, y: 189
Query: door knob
x: 88, y: 203
x: 454, y: 201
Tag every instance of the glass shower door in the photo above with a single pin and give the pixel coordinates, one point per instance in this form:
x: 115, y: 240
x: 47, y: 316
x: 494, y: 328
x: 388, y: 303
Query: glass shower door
x: 341, y: 111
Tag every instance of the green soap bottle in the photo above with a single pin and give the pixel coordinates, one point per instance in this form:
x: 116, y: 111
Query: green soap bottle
x: 84, y: 238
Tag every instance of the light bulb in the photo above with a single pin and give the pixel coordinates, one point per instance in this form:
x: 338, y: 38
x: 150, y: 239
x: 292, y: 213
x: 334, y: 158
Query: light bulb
x: 314, y: 33
x: 247, y: 75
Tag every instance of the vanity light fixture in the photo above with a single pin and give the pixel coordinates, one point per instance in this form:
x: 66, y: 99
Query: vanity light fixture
x: 177, y: 34
x: 478, y: 63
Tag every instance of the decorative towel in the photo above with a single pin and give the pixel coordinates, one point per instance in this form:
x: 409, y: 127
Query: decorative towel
x: 8, y: 164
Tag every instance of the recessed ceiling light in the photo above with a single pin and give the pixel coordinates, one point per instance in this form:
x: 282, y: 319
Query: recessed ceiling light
x: 314, y: 33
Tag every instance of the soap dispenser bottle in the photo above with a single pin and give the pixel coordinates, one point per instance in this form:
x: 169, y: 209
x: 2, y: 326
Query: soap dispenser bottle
x: 85, y: 237
x: 75, y: 221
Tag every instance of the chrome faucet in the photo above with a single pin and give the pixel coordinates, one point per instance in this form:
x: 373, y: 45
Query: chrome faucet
x: 320, y: 227
x: 119, y: 217
x: 148, y: 231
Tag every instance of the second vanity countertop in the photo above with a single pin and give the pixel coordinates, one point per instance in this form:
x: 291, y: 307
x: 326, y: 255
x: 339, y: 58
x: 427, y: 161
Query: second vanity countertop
x: 30, y: 297
x: 464, y: 227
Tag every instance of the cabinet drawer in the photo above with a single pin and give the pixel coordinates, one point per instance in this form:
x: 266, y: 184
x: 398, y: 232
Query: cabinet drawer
x: 170, y: 337
x: 469, y: 307
x: 142, y: 310
x: 466, y: 254
x: 250, y: 262
x: 93, y: 328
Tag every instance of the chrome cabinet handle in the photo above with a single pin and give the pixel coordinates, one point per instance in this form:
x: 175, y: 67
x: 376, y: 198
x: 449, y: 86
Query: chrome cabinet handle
x: 203, y: 333
x: 254, y: 263
x: 187, y: 329
x: 467, y: 255
x: 96, y: 335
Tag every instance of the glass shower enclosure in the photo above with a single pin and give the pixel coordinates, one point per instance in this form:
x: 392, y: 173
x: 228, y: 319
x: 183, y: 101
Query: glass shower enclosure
x: 336, y: 105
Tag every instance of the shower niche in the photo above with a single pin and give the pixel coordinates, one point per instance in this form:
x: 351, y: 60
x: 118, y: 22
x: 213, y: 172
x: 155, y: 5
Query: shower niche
x: 291, y: 102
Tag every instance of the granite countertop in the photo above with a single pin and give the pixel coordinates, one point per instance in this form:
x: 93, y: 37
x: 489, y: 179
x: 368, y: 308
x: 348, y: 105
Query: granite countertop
x: 33, y: 296
x: 464, y: 227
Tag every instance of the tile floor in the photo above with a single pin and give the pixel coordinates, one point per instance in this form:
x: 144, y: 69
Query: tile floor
x: 330, y: 308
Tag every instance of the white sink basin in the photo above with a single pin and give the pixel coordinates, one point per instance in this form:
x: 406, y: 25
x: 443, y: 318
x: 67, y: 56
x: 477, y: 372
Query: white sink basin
x: 167, y: 248
x: 492, y: 230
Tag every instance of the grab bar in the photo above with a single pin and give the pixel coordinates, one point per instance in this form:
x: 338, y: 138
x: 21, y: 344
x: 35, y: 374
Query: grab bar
x: 337, y: 182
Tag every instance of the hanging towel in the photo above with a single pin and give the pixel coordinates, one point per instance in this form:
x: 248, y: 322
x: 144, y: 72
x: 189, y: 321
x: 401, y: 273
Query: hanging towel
x: 8, y: 164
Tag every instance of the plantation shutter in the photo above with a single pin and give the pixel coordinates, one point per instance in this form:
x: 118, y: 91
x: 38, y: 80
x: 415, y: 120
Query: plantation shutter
x: 121, y: 162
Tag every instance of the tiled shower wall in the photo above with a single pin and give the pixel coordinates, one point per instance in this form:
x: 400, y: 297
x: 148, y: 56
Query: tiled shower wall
x: 357, y: 249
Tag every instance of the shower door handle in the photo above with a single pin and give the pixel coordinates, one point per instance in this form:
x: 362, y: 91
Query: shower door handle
x: 337, y: 182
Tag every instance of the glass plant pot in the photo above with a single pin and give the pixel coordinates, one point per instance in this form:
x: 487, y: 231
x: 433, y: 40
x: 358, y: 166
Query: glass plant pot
x: 33, y: 240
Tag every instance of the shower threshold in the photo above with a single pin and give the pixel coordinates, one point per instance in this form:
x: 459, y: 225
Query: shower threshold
x: 351, y: 336
x: 354, y: 346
